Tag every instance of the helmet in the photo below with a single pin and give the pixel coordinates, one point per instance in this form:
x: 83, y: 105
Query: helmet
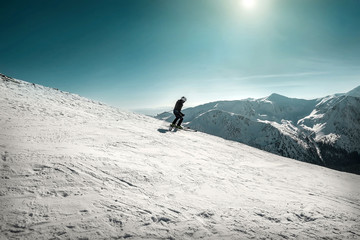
x: 183, y: 99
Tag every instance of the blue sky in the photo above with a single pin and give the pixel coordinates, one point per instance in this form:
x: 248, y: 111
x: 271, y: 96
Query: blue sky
x: 148, y: 53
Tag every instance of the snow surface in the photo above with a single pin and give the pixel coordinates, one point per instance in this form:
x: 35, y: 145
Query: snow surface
x: 73, y: 168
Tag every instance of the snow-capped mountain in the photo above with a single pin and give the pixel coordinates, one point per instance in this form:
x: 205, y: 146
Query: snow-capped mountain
x: 324, y: 131
x: 73, y: 168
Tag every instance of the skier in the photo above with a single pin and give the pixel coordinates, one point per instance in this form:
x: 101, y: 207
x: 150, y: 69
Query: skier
x: 178, y: 114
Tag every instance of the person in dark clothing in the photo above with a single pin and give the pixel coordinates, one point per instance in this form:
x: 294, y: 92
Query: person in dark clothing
x: 178, y: 114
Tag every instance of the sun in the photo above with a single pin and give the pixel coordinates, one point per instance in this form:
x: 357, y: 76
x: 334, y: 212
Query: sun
x: 248, y: 4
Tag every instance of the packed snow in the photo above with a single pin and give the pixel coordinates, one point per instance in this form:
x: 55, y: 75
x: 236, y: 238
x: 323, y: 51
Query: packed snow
x: 73, y: 168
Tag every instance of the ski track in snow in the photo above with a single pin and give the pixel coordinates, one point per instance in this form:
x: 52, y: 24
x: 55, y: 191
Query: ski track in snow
x: 72, y: 168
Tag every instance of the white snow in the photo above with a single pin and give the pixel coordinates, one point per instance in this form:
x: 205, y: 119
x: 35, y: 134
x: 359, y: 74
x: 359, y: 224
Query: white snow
x: 329, y: 138
x: 314, y: 115
x: 73, y: 168
x: 325, y: 100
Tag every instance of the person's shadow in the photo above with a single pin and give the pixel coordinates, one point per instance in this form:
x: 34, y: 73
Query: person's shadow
x: 161, y: 130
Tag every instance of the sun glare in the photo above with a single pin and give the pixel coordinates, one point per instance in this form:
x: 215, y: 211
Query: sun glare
x: 248, y: 4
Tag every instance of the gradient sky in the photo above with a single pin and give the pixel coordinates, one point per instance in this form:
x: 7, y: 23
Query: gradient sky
x: 148, y: 53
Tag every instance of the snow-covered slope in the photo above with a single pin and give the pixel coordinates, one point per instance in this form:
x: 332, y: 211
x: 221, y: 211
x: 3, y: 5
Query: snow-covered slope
x: 354, y: 93
x: 324, y: 131
x: 72, y: 168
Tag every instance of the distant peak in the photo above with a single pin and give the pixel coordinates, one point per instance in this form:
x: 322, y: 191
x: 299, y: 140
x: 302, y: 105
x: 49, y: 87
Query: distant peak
x: 276, y: 97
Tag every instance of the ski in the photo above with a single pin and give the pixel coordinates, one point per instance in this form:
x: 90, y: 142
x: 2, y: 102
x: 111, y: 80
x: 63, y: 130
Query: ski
x: 171, y: 128
x: 190, y: 130
x: 187, y: 129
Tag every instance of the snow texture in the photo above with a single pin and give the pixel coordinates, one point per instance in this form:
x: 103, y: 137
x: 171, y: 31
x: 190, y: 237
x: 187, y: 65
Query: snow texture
x: 73, y: 168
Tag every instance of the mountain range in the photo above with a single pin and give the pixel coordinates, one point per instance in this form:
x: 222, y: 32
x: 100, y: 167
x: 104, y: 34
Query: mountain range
x: 323, y: 131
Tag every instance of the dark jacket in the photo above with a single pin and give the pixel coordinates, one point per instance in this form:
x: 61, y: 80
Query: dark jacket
x: 179, y: 104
